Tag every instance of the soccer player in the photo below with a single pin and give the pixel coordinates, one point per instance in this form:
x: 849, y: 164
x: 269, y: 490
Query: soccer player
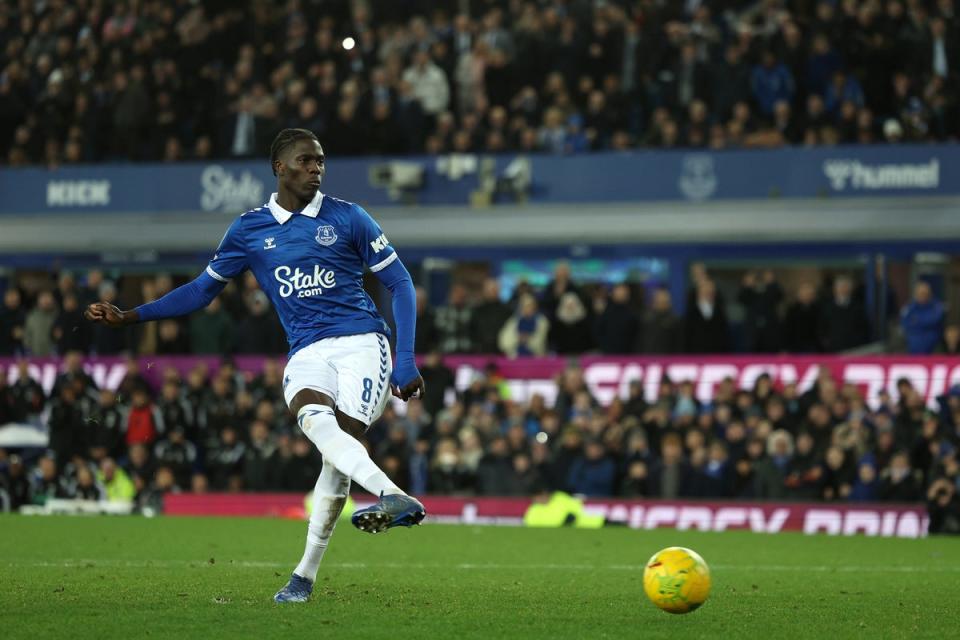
x: 308, y: 252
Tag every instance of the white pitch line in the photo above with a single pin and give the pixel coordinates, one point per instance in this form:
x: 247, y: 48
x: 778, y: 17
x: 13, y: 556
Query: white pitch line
x: 248, y: 564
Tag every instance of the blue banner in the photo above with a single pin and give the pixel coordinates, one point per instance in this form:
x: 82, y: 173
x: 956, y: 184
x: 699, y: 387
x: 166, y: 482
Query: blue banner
x: 639, y: 176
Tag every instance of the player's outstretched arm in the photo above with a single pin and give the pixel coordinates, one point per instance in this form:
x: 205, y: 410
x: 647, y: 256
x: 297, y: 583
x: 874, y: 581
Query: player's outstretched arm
x: 406, y: 381
x: 181, y: 301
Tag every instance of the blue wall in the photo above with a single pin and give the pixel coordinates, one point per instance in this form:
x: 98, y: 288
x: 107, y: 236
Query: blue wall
x: 642, y: 176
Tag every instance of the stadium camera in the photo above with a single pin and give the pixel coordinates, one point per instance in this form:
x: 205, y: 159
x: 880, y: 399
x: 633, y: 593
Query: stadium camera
x: 400, y: 179
x: 516, y: 179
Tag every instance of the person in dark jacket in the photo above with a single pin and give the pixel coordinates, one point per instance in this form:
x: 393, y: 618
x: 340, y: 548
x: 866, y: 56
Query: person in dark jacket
x: 843, y: 322
x: 258, y: 459
x: 12, y: 319
x: 661, y: 329
x: 899, y: 482
x: 570, y: 331
x: 922, y: 320
x: 801, y: 323
x: 488, y: 318
x: 761, y: 295
x: 705, y: 328
x: 593, y: 473
x: 70, y: 331
x: 427, y: 338
x: 494, y: 468
x: 260, y: 330
x: 617, y: 325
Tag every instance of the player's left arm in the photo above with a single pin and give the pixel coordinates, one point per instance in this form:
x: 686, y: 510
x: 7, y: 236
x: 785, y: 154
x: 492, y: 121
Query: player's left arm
x: 383, y: 261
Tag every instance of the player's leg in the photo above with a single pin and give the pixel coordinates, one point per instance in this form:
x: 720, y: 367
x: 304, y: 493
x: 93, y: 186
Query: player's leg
x: 329, y: 496
x: 310, y: 386
x: 363, y: 389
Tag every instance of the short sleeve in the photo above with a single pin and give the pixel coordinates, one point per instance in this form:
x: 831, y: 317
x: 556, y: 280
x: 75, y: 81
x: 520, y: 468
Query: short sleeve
x: 370, y: 241
x: 230, y: 260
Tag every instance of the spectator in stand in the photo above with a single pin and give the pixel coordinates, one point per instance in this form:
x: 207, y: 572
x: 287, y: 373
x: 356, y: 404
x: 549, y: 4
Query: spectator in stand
x: 771, y: 82
x: 570, y: 331
x: 772, y: 471
x: 672, y: 476
x: 950, y: 343
x: 427, y: 338
x: 760, y: 294
x: 801, y: 324
x: 211, y: 330
x: 525, y: 333
x: 453, y: 323
x: 429, y: 83
x: 12, y: 320
x: 38, y: 326
x: 47, y: 483
x: 144, y: 423
x: 70, y: 331
x: 899, y: 482
x: 115, y: 481
x: 66, y: 424
x: 439, y: 380
x: 592, y: 473
x: 87, y: 487
x: 260, y: 330
x: 705, y: 327
x: 225, y: 461
x: 922, y: 320
x: 105, y: 427
x: 843, y: 322
x: 488, y: 318
x: 617, y: 324
x: 662, y: 329
x: 178, y: 454
x: 107, y: 341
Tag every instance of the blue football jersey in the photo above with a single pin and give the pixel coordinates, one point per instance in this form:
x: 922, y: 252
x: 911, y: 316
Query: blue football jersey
x: 310, y: 264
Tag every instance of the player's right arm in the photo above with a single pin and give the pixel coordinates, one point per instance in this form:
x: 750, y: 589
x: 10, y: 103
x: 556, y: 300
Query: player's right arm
x: 229, y: 261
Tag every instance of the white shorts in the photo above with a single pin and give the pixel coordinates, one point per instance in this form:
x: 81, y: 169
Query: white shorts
x: 353, y: 370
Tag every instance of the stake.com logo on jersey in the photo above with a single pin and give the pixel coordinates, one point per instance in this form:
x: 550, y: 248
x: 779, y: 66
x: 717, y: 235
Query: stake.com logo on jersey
x: 306, y: 285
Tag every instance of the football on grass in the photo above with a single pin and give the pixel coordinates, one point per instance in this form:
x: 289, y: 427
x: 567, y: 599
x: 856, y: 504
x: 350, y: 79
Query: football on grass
x: 677, y: 580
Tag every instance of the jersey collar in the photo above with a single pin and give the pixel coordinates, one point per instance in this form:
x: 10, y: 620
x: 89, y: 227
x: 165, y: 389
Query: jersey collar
x: 282, y: 215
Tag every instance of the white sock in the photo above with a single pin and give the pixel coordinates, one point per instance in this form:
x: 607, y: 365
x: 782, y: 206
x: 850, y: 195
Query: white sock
x: 329, y: 496
x: 319, y: 423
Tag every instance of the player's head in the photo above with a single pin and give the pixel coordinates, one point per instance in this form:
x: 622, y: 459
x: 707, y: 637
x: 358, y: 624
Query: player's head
x: 297, y: 160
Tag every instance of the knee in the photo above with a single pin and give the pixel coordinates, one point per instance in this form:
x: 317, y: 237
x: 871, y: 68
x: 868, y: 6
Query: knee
x: 352, y: 426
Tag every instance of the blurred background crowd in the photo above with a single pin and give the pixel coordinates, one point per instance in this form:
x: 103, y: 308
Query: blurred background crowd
x: 41, y: 316
x: 90, y: 80
x: 228, y: 430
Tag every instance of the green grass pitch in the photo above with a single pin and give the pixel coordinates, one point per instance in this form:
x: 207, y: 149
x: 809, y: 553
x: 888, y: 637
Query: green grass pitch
x: 108, y: 577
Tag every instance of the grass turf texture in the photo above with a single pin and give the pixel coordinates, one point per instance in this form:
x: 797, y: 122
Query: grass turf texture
x: 214, y: 578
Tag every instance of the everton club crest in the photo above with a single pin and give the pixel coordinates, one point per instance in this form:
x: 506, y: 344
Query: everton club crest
x: 326, y: 235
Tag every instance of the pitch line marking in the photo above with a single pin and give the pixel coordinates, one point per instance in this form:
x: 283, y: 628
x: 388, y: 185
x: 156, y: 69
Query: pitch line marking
x: 252, y: 564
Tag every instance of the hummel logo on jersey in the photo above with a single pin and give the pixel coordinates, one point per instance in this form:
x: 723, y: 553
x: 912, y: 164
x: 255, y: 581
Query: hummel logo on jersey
x: 326, y: 235
x: 380, y: 243
x: 269, y: 243
x: 306, y: 285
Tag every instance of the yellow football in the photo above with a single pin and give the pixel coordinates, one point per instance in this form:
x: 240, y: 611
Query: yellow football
x: 677, y: 580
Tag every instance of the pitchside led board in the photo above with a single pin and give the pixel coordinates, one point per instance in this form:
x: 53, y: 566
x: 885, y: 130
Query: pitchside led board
x: 636, y: 176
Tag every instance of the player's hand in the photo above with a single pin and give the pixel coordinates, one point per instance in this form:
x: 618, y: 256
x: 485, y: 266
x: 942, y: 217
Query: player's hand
x: 106, y: 313
x: 414, y: 389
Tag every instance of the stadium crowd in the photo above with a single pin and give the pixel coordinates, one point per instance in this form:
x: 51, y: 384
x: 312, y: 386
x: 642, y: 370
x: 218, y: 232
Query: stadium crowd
x: 564, y: 317
x: 90, y: 80
x: 228, y: 430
